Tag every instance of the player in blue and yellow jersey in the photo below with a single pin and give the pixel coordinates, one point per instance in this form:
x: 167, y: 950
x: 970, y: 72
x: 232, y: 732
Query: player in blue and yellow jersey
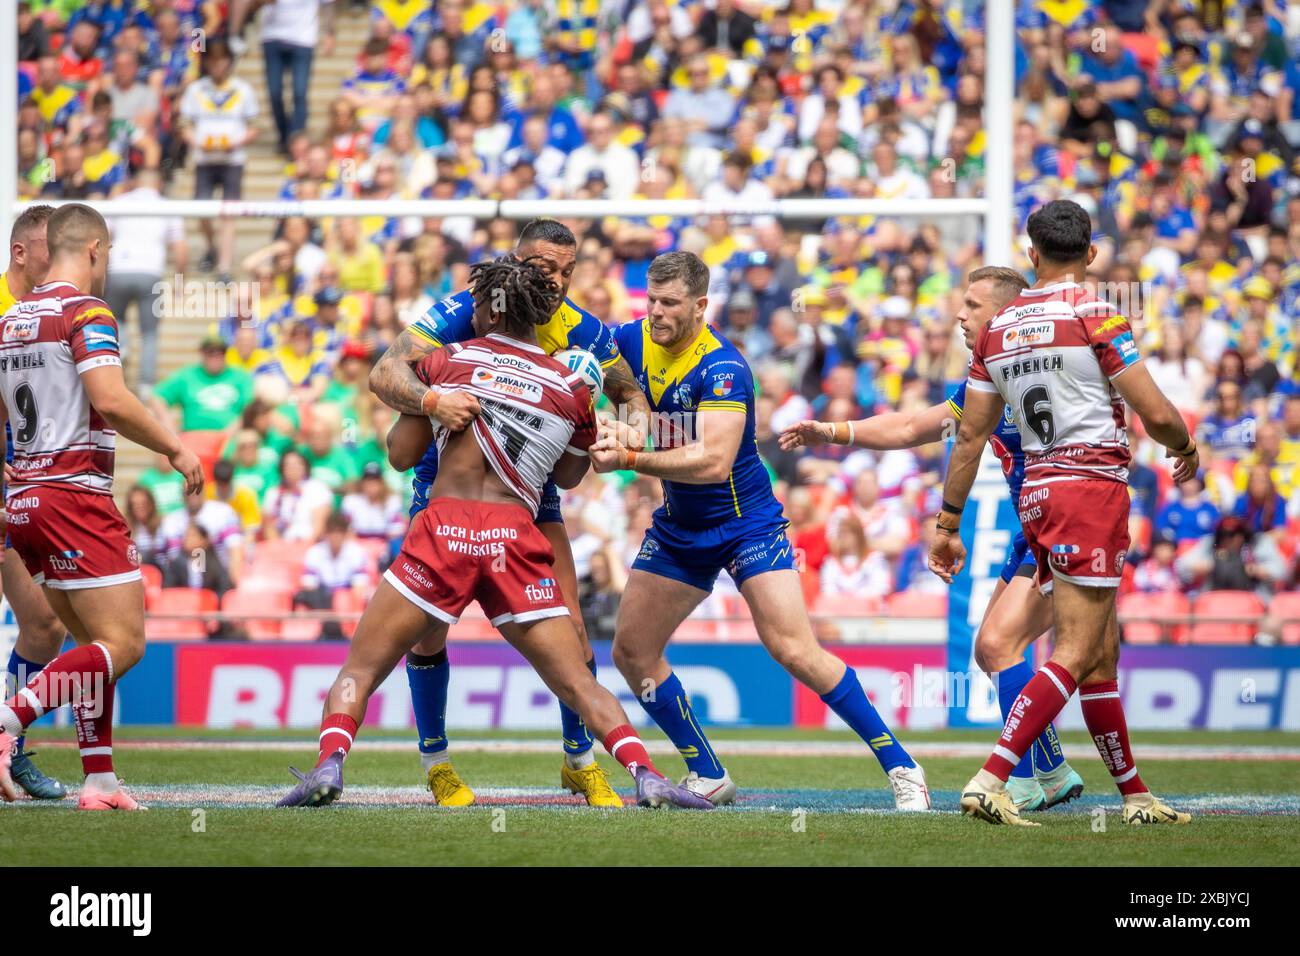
x: 552, y: 246
x: 719, y: 512
x: 40, y: 632
x: 1017, y: 613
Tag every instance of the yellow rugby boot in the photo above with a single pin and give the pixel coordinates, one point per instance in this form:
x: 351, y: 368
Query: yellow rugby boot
x: 447, y: 787
x: 1147, y: 808
x: 991, y: 802
x: 593, y: 783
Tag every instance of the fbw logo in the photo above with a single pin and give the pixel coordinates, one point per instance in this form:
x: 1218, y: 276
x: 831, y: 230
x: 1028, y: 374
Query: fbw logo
x: 543, y: 590
x: 66, y: 560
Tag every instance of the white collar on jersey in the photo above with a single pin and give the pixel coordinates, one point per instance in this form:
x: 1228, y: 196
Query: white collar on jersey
x: 527, y: 347
x: 1049, y: 289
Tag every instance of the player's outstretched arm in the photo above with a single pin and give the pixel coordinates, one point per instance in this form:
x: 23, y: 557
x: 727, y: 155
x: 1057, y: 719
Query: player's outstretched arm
x: 408, y: 440
x: 1161, y: 420
x: 980, y: 416
x: 879, y: 432
x: 705, y: 461
x: 107, y: 391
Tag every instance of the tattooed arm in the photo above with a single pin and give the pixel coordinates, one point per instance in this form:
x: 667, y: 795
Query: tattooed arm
x: 393, y: 379
x: 622, y: 389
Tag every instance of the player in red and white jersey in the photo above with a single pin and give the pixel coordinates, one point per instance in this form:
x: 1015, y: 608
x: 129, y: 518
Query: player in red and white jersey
x: 1065, y: 363
x: 476, y: 539
x: 62, y: 390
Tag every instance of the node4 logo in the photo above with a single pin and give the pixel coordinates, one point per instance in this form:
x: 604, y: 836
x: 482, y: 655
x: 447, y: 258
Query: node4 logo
x: 543, y: 590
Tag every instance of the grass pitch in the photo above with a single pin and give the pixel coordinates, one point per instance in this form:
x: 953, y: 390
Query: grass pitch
x: 807, y: 798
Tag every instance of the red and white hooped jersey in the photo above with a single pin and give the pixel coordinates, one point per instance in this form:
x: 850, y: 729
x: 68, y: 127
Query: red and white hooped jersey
x: 47, y: 340
x: 531, y: 408
x: 1052, y: 355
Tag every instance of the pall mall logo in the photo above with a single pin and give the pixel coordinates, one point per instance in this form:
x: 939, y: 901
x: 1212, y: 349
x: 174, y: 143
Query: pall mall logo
x: 76, y: 909
x: 543, y: 590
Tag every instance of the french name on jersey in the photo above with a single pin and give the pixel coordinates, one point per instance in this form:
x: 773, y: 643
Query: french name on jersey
x: 1033, y: 365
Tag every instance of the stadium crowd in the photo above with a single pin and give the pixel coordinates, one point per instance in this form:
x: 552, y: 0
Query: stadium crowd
x: 1176, y: 123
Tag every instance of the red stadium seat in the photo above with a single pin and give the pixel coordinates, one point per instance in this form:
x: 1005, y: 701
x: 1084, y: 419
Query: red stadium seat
x: 265, y: 575
x: 244, y: 600
x: 1242, y: 606
x: 916, y: 604
x: 281, y: 551
x: 847, y: 605
x: 348, y: 601
x: 195, y: 602
x: 1140, y: 614
x: 300, y: 629
x: 152, y: 583
x: 207, y: 445
x: 1286, y: 608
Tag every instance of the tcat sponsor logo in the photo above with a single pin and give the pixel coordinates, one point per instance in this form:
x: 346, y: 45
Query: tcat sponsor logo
x: 77, y: 909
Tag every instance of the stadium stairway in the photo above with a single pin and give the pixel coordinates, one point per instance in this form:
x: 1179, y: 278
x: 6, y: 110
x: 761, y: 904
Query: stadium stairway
x: 263, y: 176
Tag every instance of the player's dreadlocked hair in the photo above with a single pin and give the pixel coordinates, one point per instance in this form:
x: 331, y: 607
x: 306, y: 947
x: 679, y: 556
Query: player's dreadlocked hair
x: 518, y: 291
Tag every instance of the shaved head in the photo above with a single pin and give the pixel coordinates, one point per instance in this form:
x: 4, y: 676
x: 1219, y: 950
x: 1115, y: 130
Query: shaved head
x: 73, y: 227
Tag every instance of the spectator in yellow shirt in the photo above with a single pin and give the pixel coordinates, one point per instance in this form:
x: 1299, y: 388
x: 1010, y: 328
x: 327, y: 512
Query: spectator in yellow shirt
x: 360, y: 264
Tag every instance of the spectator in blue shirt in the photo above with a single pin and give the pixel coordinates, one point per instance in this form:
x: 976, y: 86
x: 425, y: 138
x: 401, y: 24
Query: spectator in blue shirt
x: 1189, y: 517
x: 1230, y: 428
x: 563, y: 130
x: 1120, y: 81
x: 1260, y: 506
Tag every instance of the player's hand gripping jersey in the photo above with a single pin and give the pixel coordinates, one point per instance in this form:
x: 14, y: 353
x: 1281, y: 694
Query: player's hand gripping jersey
x: 1051, y: 355
x: 531, y: 411
x: 62, y: 520
x: 450, y: 320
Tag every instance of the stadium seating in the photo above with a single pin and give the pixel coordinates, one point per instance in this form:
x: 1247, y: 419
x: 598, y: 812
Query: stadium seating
x: 847, y: 605
x: 1140, y: 614
x: 347, y: 601
x: 192, y: 602
x: 152, y: 584
x: 1286, y: 608
x: 244, y: 600
x: 916, y: 604
x: 1239, y: 613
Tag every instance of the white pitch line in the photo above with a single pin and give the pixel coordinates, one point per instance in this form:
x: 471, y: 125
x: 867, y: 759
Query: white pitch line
x: 757, y: 748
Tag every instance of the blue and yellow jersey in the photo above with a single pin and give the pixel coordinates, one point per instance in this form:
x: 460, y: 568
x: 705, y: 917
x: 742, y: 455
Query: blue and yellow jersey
x: 708, y: 375
x: 1005, y: 441
x: 451, y: 320
x: 57, y: 106
x: 411, y: 17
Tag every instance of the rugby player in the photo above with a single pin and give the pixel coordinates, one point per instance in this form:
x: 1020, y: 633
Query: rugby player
x: 63, y: 388
x: 1017, y: 613
x: 1066, y: 363
x: 719, y: 512
x: 550, y: 246
x: 40, y: 632
x: 476, y: 538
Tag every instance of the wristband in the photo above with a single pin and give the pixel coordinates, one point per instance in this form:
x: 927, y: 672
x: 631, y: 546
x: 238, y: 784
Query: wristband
x: 942, y: 528
x: 1191, y: 447
x: 950, y: 509
x: 429, y: 403
x: 850, y: 441
x: 630, y: 462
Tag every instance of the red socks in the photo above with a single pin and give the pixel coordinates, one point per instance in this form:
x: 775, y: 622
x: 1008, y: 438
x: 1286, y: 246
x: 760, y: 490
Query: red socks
x: 62, y: 682
x: 93, y: 719
x: 1035, y: 708
x: 1104, y: 715
x: 337, y: 731
x: 626, y: 747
